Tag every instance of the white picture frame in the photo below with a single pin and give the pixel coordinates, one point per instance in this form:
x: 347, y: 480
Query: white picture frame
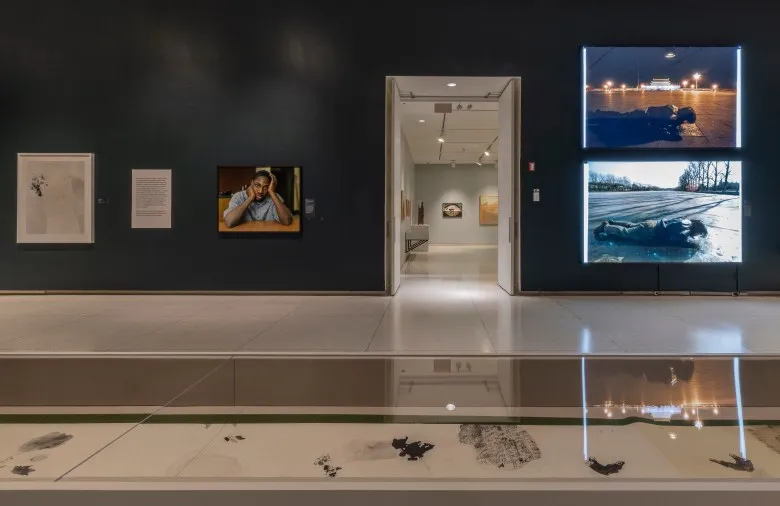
x: 55, y: 198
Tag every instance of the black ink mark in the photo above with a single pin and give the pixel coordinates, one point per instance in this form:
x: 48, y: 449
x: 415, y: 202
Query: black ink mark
x: 504, y: 446
x: 47, y: 442
x: 328, y: 468
x: 739, y: 463
x: 23, y: 470
x: 769, y: 435
x: 37, y: 184
x: 414, y: 451
x: 605, y: 469
x: 234, y: 439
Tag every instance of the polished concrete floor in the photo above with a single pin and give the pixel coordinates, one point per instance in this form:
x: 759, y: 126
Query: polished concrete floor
x: 448, y: 303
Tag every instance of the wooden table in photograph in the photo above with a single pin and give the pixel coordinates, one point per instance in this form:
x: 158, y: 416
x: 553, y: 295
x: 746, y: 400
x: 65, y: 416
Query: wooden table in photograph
x: 263, y: 226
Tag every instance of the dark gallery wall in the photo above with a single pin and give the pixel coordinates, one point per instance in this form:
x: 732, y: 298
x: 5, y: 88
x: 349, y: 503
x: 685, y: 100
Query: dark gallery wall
x: 190, y: 85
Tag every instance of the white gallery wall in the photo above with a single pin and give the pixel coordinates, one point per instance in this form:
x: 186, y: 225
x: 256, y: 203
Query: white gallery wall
x: 436, y: 184
x: 407, y: 184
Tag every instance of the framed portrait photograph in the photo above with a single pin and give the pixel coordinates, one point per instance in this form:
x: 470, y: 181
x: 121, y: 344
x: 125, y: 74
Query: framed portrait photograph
x: 54, y: 198
x: 259, y: 200
x: 452, y: 210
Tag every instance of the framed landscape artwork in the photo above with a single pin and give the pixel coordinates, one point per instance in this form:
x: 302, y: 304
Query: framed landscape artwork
x: 488, y: 209
x: 452, y: 210
x: 54, y: 198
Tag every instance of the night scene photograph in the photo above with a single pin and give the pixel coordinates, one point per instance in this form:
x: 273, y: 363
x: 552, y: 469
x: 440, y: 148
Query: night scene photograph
x: 661, y: 97
x: 663, y: 212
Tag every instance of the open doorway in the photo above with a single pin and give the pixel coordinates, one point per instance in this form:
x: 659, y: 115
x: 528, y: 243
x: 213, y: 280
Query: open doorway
x: 452, y: 158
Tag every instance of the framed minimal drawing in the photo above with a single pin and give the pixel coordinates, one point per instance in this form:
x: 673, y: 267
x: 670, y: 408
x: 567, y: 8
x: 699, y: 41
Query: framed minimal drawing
x: 488, y: 209
x: 452, y: 210
x: 54, y: 198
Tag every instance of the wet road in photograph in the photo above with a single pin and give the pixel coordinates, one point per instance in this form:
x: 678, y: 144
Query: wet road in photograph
x: 720, y: 213
x: 716, y: 114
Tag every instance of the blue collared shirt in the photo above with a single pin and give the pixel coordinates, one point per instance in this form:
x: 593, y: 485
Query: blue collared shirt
x: 262, y: 210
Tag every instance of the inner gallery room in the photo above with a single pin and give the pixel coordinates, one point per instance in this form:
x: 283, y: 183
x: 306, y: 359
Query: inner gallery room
x: 339, y: 253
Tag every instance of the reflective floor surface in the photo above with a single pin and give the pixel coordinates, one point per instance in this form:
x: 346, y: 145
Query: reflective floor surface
x: 389, y: 418
x: 448, y: 303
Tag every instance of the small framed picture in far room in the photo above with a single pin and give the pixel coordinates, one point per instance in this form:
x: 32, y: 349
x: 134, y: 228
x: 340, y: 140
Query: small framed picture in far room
x: 452, y: 210
x: 257, y: 200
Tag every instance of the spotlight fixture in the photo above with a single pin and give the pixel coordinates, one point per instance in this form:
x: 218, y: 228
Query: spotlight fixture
x: 451, y: 85
x: 440, y: 139
x: 460, y: 107
x: 468, y: 107
x: 487, y: 153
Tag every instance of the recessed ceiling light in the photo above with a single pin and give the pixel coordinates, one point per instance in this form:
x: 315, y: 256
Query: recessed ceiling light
x: 420, y: 121
x: 698, y: 424
x: 452, y: 85
x: 441, y: 139
x: 487, y: 153
x: 672, y: 435
x: 450, y: 407
x: 479, y: 163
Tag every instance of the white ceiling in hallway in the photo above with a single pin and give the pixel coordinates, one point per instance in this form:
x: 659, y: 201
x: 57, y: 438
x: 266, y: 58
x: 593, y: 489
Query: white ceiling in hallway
x: 468, y: 132
x: 465, y: 86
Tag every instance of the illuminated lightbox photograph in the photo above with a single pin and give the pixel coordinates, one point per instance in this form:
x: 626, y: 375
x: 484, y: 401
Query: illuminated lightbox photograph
x: 661, y: 97
x: 663, y: 212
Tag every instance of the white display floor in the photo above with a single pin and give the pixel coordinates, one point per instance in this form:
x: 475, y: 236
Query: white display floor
x: 363, y: 452
x: 448, y: 304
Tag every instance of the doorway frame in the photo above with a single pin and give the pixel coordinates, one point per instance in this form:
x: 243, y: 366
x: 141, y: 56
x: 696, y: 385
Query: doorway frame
x: 390, y: 222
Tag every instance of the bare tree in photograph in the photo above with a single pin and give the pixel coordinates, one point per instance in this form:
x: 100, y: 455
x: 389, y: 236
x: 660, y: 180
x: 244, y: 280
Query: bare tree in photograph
x: 726, y: 174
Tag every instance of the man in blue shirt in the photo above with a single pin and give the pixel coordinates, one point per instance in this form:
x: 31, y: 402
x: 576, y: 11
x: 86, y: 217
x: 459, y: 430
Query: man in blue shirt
x: 259, y: 202
x: 679, y: 232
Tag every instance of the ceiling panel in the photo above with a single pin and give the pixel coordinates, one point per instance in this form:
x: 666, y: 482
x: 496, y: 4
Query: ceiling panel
x: 437, y: 86
x: 468, y: 135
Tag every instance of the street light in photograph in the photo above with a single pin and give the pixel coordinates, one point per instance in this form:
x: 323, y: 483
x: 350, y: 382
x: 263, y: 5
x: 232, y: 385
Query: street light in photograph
x: 609, y: 85
x: 696, y: 78
x: 685, y: 83
x: 623, y: 87
x: 714, y: 87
